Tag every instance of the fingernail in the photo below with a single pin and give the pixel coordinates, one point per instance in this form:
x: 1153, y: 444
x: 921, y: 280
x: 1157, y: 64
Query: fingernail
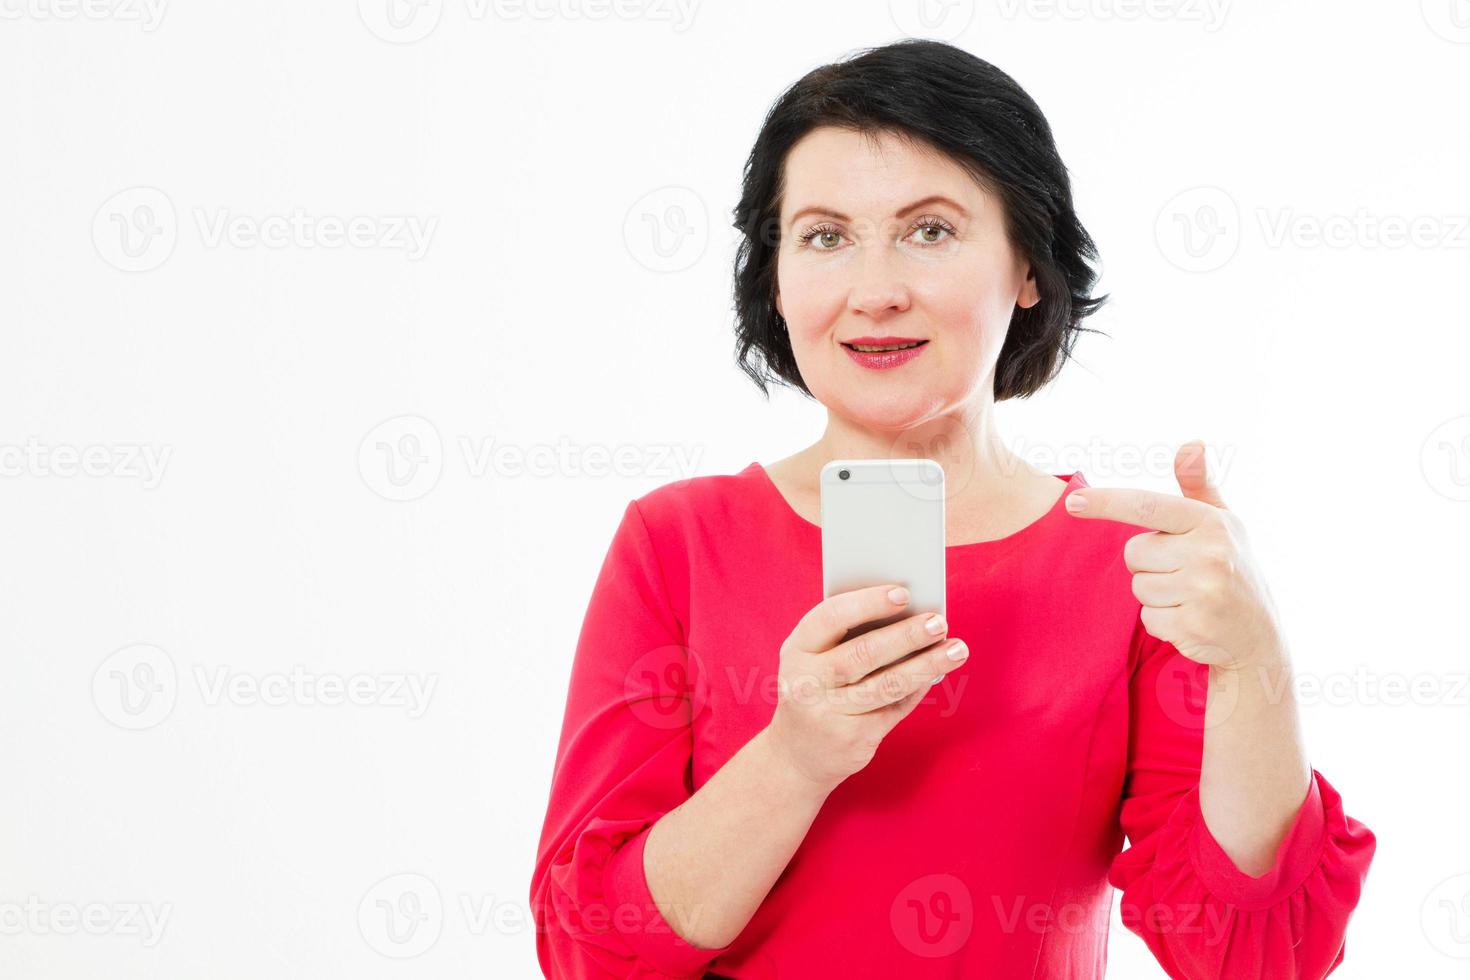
x: 1075, y: 502
x: 936, y: 680
x: 934, y: 624
x: 899, y: 595
x: 957, y: 650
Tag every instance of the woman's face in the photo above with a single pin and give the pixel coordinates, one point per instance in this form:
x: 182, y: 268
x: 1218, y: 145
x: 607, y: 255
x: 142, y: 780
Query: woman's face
x: 896, y: 241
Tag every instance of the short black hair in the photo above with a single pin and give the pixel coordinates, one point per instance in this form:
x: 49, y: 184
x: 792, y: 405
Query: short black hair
x: 946, y: 98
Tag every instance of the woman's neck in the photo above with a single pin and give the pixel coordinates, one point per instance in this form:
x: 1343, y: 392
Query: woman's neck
x: 966, y: 444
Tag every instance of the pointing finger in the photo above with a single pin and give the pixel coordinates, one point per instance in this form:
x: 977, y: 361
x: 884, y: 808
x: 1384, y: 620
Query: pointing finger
x: 1157, y: 511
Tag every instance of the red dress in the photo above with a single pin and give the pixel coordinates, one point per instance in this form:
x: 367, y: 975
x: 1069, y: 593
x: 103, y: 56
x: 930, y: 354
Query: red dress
x: 983, y: 839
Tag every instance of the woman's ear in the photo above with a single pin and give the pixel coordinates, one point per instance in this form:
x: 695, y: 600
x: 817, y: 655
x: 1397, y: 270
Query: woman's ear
x: 1030, y: 295
x: 778, y: 305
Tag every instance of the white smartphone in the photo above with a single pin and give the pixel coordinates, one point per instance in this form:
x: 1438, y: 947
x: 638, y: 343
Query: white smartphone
x: 883, y: 521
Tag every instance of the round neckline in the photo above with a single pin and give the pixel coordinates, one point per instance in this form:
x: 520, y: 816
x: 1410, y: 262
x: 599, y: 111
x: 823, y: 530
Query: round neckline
x: 1072, y: 481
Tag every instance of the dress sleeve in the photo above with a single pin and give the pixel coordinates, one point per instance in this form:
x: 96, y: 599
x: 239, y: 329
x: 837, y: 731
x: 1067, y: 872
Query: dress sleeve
x: 623, y: 761
x: 1200, y: 915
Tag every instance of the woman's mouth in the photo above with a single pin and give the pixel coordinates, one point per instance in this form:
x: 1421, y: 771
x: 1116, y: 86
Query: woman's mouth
x: 883, y: 356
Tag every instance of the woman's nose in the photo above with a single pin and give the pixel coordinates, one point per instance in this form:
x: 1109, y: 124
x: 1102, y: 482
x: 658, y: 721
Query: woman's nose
x: 878, y: 285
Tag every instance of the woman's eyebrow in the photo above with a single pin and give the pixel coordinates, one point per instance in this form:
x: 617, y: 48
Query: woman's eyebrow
x: 922, y: 202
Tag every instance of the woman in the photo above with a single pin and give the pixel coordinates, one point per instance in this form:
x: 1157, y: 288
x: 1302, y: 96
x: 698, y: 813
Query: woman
x: 743, y: 790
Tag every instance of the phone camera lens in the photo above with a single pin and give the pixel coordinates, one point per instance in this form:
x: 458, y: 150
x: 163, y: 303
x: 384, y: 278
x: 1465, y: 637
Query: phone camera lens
x: 842, y: 474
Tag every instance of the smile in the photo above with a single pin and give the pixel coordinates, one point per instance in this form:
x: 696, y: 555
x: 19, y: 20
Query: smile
x: 881, y: 357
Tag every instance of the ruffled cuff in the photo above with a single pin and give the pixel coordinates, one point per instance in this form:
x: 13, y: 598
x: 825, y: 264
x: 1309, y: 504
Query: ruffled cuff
x: 1325, y: 853
x: 1218, y: 921
x: 651, y: 936
x: 1299, y: 852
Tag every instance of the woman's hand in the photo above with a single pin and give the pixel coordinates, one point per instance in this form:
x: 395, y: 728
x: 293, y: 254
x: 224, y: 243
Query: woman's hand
x: 1199, y: 587
x: 838, y: 699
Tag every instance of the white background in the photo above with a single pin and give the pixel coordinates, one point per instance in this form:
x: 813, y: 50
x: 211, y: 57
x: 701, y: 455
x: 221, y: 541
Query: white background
x: 149, y: 611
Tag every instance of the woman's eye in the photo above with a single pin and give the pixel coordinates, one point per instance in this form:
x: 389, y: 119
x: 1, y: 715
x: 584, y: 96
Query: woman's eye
x: 826, y: 238
x: 932, y: 232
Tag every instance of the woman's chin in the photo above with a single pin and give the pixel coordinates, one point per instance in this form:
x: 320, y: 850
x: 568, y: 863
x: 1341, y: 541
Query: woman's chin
x: 897, y: 413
